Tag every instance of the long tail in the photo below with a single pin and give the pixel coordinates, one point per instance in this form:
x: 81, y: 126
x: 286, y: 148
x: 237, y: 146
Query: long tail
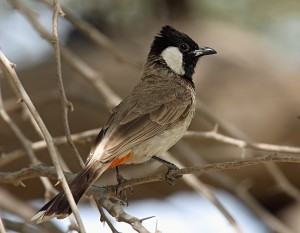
x: 59, y: 206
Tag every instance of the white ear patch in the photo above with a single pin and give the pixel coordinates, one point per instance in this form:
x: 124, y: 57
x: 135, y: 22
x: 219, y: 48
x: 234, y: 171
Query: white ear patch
x: 173, y: 58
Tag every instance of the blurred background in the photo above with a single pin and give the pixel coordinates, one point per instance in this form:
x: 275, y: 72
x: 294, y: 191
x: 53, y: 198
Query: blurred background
x: 251, y: 87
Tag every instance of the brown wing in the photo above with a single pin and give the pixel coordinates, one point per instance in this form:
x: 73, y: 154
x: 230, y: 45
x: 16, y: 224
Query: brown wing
x: 146, y: 112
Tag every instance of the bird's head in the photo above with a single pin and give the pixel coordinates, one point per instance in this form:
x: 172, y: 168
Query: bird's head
x: 177, y: 52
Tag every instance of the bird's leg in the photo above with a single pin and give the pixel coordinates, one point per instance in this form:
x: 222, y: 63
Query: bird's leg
x: 170, y: 178
x: 121, y: 193
x: 119, y: 177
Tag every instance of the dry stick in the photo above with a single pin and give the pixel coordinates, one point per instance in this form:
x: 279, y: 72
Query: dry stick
x: 42, y: 170
x: 9, y: 68
x: 82, y: 137
x: 66, y: 105
x: 87, y: 136
x: 241, y: 143
x: 26, y: 144
x: 2, y: 228
x: 276, y: 173
x: 117, y: 210
x: 95, y: 78
x: 273, y: 169
x: 230, y: 184
x: 202, y: 189
x: 92, y: 76
x: 105, y: 219
x: 97, y: 37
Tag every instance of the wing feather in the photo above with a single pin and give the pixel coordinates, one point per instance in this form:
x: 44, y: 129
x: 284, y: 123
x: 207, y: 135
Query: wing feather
x: 137, y: 118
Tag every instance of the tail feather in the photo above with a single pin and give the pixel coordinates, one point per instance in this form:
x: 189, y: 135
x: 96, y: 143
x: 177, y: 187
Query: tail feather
x: 59, y: 206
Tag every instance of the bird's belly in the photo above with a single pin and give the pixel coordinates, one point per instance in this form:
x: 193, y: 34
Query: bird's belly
x: 158, y: 144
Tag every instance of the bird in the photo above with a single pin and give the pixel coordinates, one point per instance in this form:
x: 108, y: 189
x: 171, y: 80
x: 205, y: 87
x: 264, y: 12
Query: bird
x: 150, y: 120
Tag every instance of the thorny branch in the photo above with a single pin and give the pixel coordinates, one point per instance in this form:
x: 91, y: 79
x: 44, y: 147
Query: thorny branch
x: 117, y: 209
x: 43, y: 170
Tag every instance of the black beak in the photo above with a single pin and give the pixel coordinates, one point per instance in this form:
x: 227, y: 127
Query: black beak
x: 204, y: 51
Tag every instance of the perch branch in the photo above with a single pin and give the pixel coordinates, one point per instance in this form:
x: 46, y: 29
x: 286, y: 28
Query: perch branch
x: 42, y: 170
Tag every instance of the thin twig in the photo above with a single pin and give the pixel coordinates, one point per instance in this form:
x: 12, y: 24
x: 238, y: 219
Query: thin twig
x: 25, y: 142
x: 105, y: 219
x: 83, y: 137
x: 92, y: 76
x: 241, y: 143
x: 97, y: 37
x: 117, y: 210
x: 2, y: 228
x: 65, y: 103
x: 9, y: 68
x: 89, y: 135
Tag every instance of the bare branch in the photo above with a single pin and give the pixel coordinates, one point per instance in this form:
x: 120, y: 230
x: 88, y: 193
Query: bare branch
x: 2, y: 228
x: 36, y: 170
x: 97, y: 37
x: 105, y: 219
x: 41, y: 170
x: 25, y: 142
x: 117, y: 210
x: 241, y: 143
x: 82, y: 137
x: 92, y: 76
x: 65, y: 103
x: 9, y: 68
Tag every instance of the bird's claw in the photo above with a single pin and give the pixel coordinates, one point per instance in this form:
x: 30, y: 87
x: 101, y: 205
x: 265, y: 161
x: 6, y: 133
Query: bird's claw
x: 170, y: 177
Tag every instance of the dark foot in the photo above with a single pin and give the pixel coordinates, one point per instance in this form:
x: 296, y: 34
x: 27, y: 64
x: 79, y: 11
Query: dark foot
x: 171, y: 179
x: 121, y: 193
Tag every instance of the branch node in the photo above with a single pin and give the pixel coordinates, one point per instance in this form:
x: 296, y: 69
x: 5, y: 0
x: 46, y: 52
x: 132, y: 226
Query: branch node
x: 13, y: 65
x: 70, y: 106
x: 147, y: 218
x: 216, y: 128
x: 20, y: 100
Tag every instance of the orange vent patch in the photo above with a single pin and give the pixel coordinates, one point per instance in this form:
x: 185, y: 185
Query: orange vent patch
x: 120, y: 160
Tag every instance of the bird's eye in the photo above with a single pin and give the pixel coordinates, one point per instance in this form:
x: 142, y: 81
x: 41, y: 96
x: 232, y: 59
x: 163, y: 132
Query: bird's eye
x: 184, y: 47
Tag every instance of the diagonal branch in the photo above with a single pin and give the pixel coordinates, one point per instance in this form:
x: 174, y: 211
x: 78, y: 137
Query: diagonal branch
x: 8, y: 67
x: 93, y: 77
x: 25, y: 142
x: 97, y: 37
